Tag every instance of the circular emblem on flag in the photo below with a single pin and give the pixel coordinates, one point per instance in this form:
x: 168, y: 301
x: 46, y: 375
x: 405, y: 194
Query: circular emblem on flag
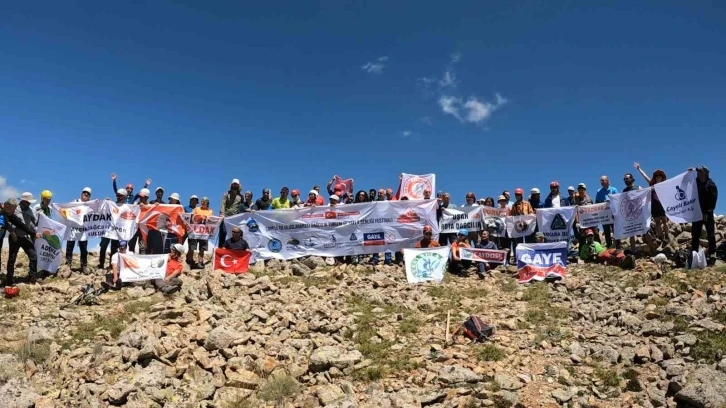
x: 520, y: 226
x: 127, y: 215
x: 414, y: 187
x: 275, y: 245
x: 630, y: 208
x: 52, y: 238
x: 424, y: 265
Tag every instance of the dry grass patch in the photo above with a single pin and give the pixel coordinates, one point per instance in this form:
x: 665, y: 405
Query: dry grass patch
x: 279, y: 388
x: 489, y: 352
x: 699, y: 279
x: 608, y: 376
x: 37, y: 352
x: 711, y: 346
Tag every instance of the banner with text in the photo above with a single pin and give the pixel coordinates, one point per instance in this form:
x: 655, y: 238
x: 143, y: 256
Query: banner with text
x: 494, y: 220
x: 679, y: 196
x: 594, y: 214
x: 48, y: 243
x: 84, y: 219
x: 123, y: 220
x: 350, y: 229
x: 541, y: 261
x: 520, y: 226
x: 201, y: 227
x: 632, y: 213
x: 414, y: 185
x: 453, y: 219
x: 135, y: 268
x: 556, y: 223
x: 425, y: 264
x: 483, y: 255
x: 165, y: 218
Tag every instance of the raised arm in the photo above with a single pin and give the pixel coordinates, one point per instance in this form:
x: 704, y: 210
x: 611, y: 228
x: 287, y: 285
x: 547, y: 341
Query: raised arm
x: 642, y: 173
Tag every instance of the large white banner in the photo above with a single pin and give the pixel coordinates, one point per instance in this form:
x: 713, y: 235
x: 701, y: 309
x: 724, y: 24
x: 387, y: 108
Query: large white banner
x: 413, y: 185
x: 679, y: 196
x: 594, y: 214
x: 453, y: 219
x: 86, y: 220
x: 425, y: 264
x: 135, y: 268
x: 124, y: 219
x: 202, y: 227
x: 494, y: 220
x: 632, y: 213
x: 556, y: 223
x: 349, y: 229
x: 520, y: 226
x: 48, y: 244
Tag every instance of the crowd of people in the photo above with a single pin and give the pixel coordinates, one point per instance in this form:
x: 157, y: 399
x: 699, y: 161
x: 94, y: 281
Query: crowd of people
x: 19, y: 219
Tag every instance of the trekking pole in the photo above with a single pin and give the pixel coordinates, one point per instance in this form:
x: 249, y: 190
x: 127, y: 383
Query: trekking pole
x: 448, y: 323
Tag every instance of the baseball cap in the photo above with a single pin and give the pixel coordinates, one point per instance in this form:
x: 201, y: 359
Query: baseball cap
x: 123, y: 244
x: 159, y: 188
x: 534, y: 191
x: 463, y: 231
x: 174, y: 196
x: 570, y: 188
x: 335, y: 197
x: 86, y: 190
x: 501, y: 198
x: 703, y: 169
x: 539, y: 235
x: 235, y: 181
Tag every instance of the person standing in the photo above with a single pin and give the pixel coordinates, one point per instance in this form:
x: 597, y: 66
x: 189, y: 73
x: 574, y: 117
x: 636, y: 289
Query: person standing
x: 201, y: 245
x: 44, y: 206
x: 130, y: 197
x: 707, y: 198
x: 23, y: 239
x: 231, y: 205
x: 20, y: 234
x: 602, y: 196
x: 82, y: 245
x: 121, y: 195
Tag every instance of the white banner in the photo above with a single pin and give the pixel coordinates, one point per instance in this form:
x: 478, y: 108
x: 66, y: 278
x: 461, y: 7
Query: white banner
x: 453, y: 219
x: 349, y: 229
x: 202, y: 227
x: 124, y: 219
x: 413, y: 186
x: 594, y: 214
x: 425, y: 264
x: 48, y: 243
x: 521, y: 225
x: 484, y: 255
x: 679, y: 196
x: 632, y: 213
x: 86, y: 220
x: 556, y: 223
x: 494, y: 220
x: 135, y: 268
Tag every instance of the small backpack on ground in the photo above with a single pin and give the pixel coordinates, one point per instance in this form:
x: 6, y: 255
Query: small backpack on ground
x: 475, y: 329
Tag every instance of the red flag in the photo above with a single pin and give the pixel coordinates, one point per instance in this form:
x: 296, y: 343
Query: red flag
x: 231, y: 260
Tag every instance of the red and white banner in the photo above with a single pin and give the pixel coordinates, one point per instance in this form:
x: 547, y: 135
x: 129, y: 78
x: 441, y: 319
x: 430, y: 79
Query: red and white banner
x: 541, y: 261
x: 136, y: 268
x: 413, y: 186
x: 166, y: 218
x: 84, y: 219
x: 520, y: 226
x: 594, y: 214
x: 345, y: 186
x: 201, y: 227
x: 494, y: 220
x: 123, y: 220
x: 232, y: 261
x: 483, y: 255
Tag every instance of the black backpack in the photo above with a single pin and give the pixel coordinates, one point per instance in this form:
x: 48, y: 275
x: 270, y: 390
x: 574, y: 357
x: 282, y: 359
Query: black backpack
x: 475, y: 329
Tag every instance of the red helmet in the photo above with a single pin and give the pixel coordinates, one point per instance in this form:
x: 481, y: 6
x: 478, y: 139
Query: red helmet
x: 427, y: 228
x: 554, y: 184
x: 295, y: 192
x: 11, y: 291
x: 519, y: 191
x: 129, y: 186
x: 589, y: 233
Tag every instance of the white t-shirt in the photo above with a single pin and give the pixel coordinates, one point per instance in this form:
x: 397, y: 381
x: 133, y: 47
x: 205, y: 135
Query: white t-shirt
x: 115, y: 261
x: 556, y: 201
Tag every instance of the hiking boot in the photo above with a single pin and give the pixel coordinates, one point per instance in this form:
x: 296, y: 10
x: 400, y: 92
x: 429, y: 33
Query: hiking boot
x: 628, y: 262
x: 84, y: 269
x: 168, y: 290
x: 105, y: 286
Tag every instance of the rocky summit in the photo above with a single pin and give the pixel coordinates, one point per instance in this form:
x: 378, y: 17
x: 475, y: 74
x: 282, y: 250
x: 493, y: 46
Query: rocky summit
x: 306, y: 334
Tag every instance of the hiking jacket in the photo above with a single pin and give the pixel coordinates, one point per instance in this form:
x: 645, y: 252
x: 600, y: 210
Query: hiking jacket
x: 231, y: 205
x: 707, y: 195
x: 27, y: 215
x: 16, y: 224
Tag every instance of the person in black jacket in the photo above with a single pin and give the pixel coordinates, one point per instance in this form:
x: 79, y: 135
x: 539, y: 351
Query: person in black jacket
x: 14, y: 225
x: 707, y: 197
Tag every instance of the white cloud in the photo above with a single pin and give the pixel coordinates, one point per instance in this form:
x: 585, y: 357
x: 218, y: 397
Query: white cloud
x: 448, y: 80
x: 7, y: 191
x: 375, y: 67
x: 406, y: 133
x: 455, y: 57
x: 426, y: 120
x: 471, y: 111
x: 450, y: 105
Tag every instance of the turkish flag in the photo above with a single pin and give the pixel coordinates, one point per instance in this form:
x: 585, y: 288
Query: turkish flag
x: 231, y: 260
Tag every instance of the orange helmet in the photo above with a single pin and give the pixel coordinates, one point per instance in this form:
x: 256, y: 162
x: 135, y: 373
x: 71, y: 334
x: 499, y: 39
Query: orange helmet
x: 427, y: 228
x: 519, y: 191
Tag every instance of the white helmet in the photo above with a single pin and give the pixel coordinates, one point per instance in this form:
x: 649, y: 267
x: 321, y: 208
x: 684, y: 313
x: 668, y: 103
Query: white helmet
x: 121, y: 191
x: 144, y: 192
x: 179, y: 248
x: 86, y: 190
x: 534, y: 191
x: 174, y: 196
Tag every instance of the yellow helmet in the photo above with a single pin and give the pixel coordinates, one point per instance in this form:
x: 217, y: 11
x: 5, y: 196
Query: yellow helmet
x: 46, y: 194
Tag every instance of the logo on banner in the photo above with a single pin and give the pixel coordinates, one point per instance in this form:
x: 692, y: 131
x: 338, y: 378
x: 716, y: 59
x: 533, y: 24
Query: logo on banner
x: 495, y: 225
x: 52, y: 238
x: 680, y: 195
x: 275, y: 245
x: 520, y: 226
x: 415, y: 186
x: 558, y: 223
x: 373, y: 238
x: 127, y: 215
x: 252, y: 225
x: 409, y: 216
x: 424, y: 265
x: 293, y: 242
x: 630, y: 208
x: 353, y: 237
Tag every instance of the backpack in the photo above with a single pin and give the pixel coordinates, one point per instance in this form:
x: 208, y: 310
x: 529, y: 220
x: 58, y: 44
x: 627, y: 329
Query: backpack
x: 475, y: 329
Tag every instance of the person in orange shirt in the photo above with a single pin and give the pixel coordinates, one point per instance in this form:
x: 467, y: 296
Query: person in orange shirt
x: 520, y: 206
x: 199, y: 244
x: 171, y: 282
x: 427, y: 242
x: 459, y: 266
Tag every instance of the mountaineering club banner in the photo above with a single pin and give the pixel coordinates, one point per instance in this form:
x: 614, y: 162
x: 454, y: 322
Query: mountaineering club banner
x: 556, y: 223
x: 413, y: 186
x: 521, y: 225
x: 123, y: 220
x: 163, y: 218
x: 494, y: 220
x: 48, y: 243
x: 350, y: 229
x: 453, y: 219
x: 541, y: 261
x: 632, y: 213
x: 84, y: 219
x: 594, y: 214
x: 425, y: 264
x: 201, y: 227
x: 135, y: 268
x: 679, y: 197
x: 484, y: 255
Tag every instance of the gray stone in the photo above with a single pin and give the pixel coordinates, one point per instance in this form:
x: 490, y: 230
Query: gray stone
x: 705, y: 387
x: 16, y: 394
x: 561, y: 395
x: 456, y: 375
x: 220, y: 338
x: 508, y: 382
x: 333, y: 356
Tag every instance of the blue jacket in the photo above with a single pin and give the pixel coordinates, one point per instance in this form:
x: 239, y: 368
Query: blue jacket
x: 535, y: 204
x: 602, y: 194
x: 548, y: 202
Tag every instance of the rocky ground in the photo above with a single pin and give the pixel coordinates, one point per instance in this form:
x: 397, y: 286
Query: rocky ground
x: 305, y: 334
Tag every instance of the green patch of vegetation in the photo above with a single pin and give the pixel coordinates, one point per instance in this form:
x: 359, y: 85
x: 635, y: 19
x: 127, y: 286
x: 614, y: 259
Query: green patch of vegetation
x: 542, y: 314
x: 658, y: 301
x: 489, y: 352
x: 711, y: 346
x: 38, y: 351
x: 410, y: 325
x: 634, y: 280
x: 680, y: 324
x: 720, y: 316
x: 279, y: 388
x: 701, y: 279
x: 370, y: 373
x: 552, y: 334
x: 536, y: 294
x: 608, y: 377
x: 630, y: 374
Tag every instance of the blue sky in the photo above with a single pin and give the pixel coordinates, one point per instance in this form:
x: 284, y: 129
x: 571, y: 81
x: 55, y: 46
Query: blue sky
x: 488, y: 96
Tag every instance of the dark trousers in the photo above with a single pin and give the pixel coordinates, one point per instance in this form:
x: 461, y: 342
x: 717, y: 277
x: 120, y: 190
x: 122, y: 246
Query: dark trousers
x: 29, y: 250
x: 459, y: 267
x: 446, y: 239
x: 222, y: 234
x: 113, y: 286
x: 132, y: 242
x: 608, y: 230
x: 2, y: 238
x: 104, y: 246
x: 83, y: 245
x: 696, y: 229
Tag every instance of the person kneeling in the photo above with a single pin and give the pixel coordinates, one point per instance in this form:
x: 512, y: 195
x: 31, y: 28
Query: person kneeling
x: 457, y: 265
x: 594, y: 252
x: 171, y: 283
x: 112, y: 280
